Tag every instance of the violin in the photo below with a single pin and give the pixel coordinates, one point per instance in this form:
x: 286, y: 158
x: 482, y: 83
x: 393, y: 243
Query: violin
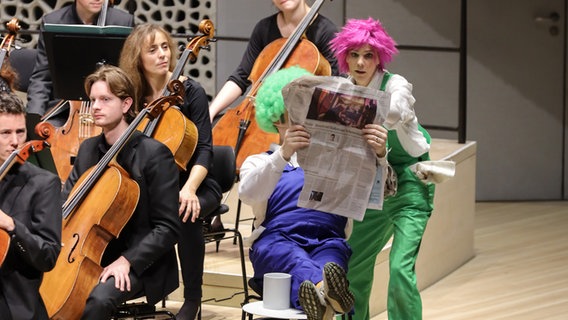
x: 97, y: 209
x: 65, y: 140
x: 237, y: 127
x: 172, y: 128
x: 18, y: 156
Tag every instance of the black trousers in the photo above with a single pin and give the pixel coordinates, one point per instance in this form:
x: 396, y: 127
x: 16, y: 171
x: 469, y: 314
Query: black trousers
x: 105, y: 298
x: 191, y: 246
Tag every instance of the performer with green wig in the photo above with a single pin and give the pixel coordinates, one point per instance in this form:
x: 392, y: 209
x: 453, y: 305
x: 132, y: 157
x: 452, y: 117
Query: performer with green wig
x: 308, y: 244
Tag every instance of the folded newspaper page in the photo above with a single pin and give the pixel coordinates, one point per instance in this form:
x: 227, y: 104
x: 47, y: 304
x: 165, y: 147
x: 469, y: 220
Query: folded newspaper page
x: 341, y: 171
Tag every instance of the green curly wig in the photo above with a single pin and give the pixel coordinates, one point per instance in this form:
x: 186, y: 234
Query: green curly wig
x: 269, y: 103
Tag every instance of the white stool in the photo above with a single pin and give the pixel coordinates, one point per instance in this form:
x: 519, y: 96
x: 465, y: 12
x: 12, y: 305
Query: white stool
x: 257, y: 309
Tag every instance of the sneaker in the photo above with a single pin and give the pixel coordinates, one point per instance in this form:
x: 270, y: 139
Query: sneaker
x: 313, y: 302
x: 336, y: 288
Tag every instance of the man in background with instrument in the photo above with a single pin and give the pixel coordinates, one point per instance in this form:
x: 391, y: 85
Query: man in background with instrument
x: 30, y: 214
x: 89, y: 12
x: 142, y: 260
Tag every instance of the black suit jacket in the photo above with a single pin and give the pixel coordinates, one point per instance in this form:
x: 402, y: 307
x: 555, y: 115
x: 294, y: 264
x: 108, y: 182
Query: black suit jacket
x: 31, y: 196
x: 40, y: 90
x: 147, y: 241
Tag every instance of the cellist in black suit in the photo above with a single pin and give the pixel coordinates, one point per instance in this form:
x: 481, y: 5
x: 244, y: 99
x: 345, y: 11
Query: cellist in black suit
x: 30, y: 211
x: 142, y: 260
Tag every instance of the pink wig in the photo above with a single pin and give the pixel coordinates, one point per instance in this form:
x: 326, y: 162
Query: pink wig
x: 357, y: 33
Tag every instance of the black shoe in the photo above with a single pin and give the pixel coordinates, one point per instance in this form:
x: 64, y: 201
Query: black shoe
x: 336, y: 288
x: 313, y: 302
x: 188, y: 310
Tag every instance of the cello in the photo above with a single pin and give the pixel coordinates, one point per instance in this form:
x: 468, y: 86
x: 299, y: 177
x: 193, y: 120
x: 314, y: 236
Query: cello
x: 172, y: 127
x: 65, y: 140
x: 98, y: 207
x: 17, y: 156
x: 237, y: 127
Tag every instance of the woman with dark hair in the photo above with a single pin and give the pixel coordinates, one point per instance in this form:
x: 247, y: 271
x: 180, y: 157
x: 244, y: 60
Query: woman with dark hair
x: 149, y: 57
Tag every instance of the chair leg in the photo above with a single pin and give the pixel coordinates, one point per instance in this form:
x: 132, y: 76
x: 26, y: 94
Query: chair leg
x: 238, y: 218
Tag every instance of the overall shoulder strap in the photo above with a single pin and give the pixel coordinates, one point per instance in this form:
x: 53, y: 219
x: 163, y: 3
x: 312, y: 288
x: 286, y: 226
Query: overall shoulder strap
x: 386, y: 78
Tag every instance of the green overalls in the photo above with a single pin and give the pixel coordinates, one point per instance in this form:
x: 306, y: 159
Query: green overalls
x: 405, y: 216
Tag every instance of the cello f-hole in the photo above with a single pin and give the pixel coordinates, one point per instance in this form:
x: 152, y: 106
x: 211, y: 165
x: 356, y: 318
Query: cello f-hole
x: 69, y: 258
x: 63, y: 131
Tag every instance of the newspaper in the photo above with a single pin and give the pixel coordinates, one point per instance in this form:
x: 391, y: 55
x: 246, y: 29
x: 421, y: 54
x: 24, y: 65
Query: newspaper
x: 341, y: 173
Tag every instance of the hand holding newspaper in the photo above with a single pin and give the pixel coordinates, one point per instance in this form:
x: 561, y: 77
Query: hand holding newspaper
x: 341, y: 171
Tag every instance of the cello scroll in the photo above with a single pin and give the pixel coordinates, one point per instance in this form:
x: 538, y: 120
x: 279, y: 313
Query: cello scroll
x: 201, y: 42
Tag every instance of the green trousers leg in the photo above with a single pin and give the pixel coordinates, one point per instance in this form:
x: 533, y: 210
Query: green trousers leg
x: 404, y: 302
x: 367, y: 240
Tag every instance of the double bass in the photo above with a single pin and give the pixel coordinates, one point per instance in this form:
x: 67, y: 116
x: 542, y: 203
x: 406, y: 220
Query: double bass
x: 97, y: 209
x: 20, y: 156
x: 65, y: 140
x: 172, y: 127
x: 237, y: 127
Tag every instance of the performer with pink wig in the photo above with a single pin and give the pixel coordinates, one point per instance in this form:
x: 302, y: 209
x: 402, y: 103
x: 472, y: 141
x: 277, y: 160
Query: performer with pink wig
x: 363, y: 49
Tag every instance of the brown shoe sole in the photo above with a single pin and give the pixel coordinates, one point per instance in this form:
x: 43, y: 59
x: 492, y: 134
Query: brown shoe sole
x: 336, y: 288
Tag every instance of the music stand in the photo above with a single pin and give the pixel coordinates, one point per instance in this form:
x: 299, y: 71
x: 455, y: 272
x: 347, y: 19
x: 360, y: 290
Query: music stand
x: 75, y: 51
